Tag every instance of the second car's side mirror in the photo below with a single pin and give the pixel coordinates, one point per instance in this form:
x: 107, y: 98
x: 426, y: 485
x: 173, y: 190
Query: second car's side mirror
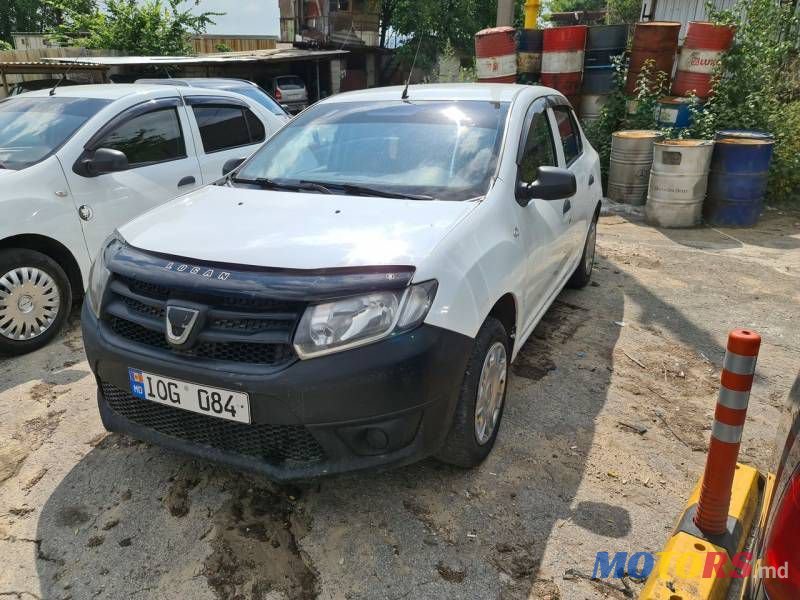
x: 105, y: 160
x: 552, y: 183
x: 231, y: 164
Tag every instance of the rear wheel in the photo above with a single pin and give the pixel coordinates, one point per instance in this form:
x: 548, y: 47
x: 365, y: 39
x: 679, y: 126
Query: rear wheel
x: 480, y: 405
x: 583, y: 272
x: 35, y: 299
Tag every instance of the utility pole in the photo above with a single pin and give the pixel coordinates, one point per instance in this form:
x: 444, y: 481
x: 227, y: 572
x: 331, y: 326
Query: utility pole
x: 505, y: 12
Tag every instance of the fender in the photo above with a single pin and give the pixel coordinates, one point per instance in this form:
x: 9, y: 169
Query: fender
x: 37, y: 201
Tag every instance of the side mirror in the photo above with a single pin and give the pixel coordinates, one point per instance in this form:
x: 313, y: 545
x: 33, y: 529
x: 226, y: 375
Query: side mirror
x: 231, y: 164
x: 552, y: 183
x: 105, y: 160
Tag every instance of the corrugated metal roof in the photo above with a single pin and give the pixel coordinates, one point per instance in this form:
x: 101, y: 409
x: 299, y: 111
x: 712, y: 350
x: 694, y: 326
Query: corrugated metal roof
x: 25, y: 67
x: 273, y: 55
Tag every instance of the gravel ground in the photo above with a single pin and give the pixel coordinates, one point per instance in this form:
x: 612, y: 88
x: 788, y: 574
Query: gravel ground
x: 607, y: 420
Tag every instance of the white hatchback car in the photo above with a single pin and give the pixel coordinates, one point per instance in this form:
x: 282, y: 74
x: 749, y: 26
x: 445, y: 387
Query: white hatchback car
x: 78, y: 162
x: 354, y: 293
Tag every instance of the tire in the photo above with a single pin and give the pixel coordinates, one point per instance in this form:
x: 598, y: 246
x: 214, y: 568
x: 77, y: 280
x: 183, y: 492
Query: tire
x: 35, y: 300
x: 462, y: 447
x: 583, y: 272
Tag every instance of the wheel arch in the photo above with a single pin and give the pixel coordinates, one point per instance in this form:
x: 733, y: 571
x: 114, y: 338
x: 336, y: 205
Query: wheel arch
x: 53, y: 249
x: 505, y: 311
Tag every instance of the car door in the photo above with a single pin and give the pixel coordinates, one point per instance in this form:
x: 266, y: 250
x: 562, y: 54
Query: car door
x: 542, y: 223
x: 573, y: 155
x: 161, y: 166
x: 225, y: 128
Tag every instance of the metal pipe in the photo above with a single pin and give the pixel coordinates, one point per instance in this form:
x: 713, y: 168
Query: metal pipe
x: 505, y: 13
x: 531, y: 14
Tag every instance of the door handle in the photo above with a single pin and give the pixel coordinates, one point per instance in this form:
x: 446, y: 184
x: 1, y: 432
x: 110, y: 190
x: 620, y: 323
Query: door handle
x: 187, y: 181
x: 591, y: 179
x: 567, y: 206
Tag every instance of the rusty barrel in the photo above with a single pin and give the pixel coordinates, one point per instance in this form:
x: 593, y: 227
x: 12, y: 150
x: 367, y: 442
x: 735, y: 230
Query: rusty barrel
x: 656, y: 41
x: 496, y: 55
x: 562, y: 60
x: 702, y: 50
x: 678, y: 182
x: 629, y: 169
x: 529, y: 53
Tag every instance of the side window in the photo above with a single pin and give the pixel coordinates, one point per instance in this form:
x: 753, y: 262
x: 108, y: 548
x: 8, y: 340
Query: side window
x: 257, y: 132
x: 223, y: 127
x: 570, y: 136
x: 148, y: 138
x: 539, y: 150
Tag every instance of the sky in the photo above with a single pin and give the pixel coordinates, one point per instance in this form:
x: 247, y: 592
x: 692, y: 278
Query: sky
x: 243, y: 17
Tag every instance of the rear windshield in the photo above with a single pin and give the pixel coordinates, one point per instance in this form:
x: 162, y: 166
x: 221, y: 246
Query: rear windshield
x: 31, y: 129
x: 442, y: 149
x: 290, y: 83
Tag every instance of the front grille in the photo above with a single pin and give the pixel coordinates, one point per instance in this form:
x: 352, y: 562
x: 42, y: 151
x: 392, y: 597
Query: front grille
x: 272, y: 443
x: 238, y: 329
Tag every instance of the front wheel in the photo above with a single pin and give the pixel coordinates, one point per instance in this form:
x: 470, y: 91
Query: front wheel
x: 583, y: 272
x: 482, y: 399
x: 35, y: 299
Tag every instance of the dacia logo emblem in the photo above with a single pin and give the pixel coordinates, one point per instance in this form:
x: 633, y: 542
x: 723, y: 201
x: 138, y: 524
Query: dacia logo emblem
x: 180, y: 321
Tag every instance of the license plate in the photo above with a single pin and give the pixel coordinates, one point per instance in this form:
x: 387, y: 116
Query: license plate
x: 203, y: 399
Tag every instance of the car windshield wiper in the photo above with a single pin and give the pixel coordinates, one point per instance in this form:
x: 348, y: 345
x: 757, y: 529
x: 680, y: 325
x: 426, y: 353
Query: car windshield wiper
x: 271, y: 184
x: 361, y: 190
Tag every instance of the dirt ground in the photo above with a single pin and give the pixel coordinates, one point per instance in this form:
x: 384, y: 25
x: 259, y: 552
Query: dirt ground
x: 604, y: 434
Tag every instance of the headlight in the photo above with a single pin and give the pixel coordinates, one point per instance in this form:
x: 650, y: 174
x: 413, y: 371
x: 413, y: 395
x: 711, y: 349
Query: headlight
x: 99, y: 274
x: 359, y: 320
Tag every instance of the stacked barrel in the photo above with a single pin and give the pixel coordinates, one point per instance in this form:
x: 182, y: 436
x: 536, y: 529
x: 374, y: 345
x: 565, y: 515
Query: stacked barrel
x: 655, y: 41
x: 603, y: 44
x: 529, y: 54
x: 496, y: 55
x: 702, y: 51
x: 562, y: 60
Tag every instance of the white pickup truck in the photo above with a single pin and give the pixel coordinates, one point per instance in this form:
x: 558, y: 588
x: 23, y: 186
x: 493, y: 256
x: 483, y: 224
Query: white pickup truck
x: 352, y: 295
x: 82, y: 160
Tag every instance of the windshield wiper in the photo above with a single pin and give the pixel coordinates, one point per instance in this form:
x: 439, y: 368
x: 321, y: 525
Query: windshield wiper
x: 271, y: 184
x: 361, y: 190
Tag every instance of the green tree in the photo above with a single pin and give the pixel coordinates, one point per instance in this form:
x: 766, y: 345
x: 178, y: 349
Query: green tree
x: 575, y: 5
x: 623, y: 11
x: 441, y: 22
x: 155, y: 27
x: 29, y: 16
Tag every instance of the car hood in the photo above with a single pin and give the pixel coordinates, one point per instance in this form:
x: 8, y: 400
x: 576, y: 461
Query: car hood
x: 295, y: 230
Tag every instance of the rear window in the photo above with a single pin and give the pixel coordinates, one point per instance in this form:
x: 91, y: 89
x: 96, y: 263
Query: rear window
x: 290, y: 83
x: 570, y: 136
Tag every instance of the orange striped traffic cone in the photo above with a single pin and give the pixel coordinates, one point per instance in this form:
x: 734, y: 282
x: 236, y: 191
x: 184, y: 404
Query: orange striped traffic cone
x: 726, y: 435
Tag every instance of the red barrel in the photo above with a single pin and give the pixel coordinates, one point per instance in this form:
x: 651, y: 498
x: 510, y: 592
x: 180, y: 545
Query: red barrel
x: 656, y: 41
x: 702, y: 50
x: 496, y: 55
x: 562, y: 60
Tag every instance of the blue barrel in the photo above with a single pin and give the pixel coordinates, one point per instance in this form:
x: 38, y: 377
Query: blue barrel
x: 603, y: 42
x: 674, y: 111
x: 598, y: 80
x: 738, y: 179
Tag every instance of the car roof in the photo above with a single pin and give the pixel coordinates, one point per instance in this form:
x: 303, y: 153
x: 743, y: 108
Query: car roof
x: 212, y: 82
x: 489, y: 92
x: 115, y: 91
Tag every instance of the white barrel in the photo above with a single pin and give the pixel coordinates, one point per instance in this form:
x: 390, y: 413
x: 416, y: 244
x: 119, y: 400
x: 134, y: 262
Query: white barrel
x: 678, y: 182
x: 631, y: 160
x: 591, y: 105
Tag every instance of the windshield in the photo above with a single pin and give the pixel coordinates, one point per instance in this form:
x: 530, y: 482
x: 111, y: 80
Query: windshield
x: 33, y: 128
x: 442, y: 149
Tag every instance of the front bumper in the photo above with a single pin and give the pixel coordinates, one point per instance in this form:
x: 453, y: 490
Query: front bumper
x: 385, y: 404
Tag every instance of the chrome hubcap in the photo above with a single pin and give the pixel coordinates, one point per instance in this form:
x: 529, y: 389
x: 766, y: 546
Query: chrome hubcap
x: 29, y: 301
x: 491, y: 389
x: 590, y: 244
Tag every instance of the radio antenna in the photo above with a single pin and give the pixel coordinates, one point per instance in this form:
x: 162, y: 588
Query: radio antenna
x: 404, y: 96
x: 65, y: 73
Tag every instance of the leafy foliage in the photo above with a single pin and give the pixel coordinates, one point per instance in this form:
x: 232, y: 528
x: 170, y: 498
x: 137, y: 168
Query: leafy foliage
x: 623, y: 11
x: 32, y: 15
x: 154, y: 27
x: 575, y: 5
x: 4, y: 45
